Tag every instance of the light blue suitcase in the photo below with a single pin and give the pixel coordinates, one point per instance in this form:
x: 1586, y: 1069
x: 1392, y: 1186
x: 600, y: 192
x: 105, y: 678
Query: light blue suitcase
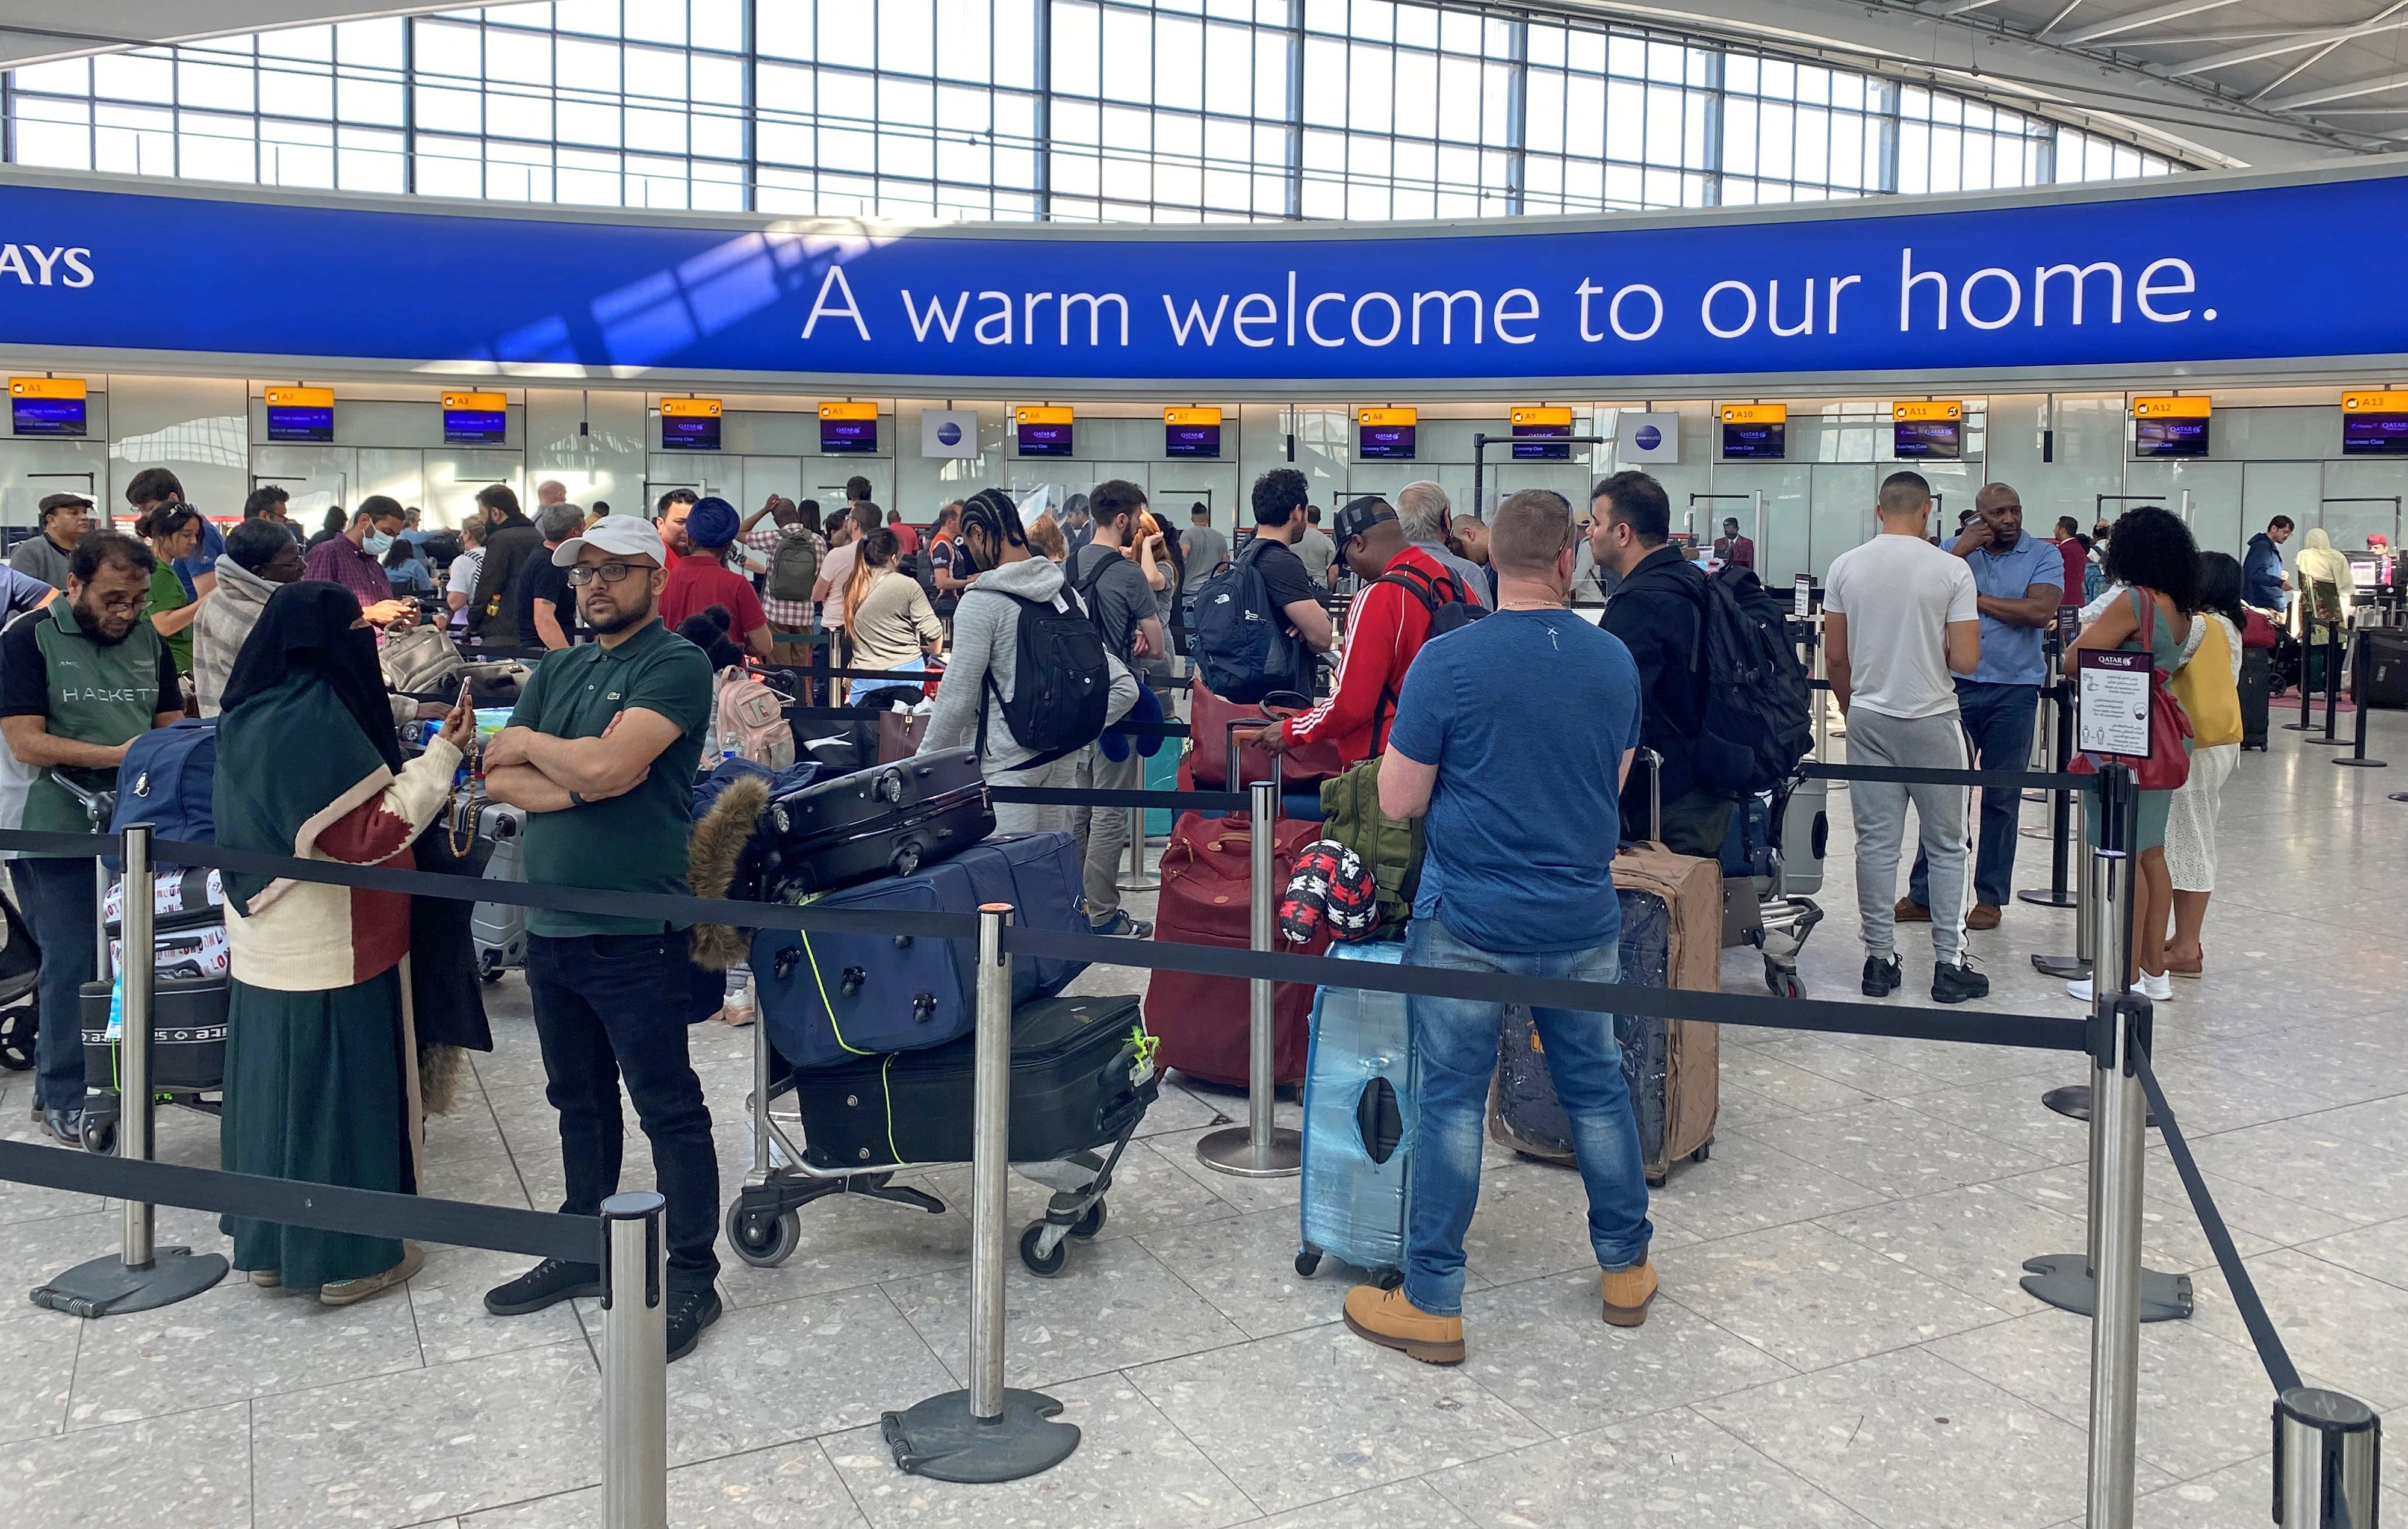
x: 1359, y: 1117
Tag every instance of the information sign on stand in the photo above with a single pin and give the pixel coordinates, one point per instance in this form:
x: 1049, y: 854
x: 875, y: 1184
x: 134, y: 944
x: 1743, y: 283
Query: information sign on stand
x: 2112, y: 714
x: 1802, y: 596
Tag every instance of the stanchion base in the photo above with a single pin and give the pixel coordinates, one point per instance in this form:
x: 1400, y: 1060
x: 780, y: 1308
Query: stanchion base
x: 2329, y: 743
x: 2073, y: 1102
x: 2064, y: 1281
x: 2363, y: 764
x: 1147, y: 882
x: 1231, y: 1150
x: 2072, y: 968
x: 2046, y: 897
x: 2302, y: 727
x: 940, y: 1440
x: 104, y: 1287
x: 2400, y: 796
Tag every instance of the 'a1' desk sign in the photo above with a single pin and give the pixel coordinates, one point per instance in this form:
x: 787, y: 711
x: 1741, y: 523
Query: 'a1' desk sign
x: 2113, y: 703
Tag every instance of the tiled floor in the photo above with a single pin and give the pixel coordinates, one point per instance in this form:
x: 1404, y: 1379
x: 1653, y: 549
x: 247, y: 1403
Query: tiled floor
x: 1841, y: 1340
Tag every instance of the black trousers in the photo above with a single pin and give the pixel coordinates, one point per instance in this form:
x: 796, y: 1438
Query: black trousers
x: 57, y: 898
x: 609, y: 1007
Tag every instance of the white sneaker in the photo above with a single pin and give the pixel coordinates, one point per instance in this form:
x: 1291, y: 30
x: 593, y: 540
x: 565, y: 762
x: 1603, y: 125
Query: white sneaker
x: 2157, y: 989
x: 2080, y: 991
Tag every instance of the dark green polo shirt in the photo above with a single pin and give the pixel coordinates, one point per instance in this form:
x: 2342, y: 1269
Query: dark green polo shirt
x: 89, y: 691
x: 630, y: 843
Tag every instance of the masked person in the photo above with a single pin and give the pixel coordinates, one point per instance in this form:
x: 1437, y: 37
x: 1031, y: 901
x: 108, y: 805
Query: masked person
x: 354, y: 558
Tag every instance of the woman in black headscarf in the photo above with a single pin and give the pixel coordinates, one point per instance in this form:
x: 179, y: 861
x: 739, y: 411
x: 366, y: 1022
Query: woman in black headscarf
x: 320, y: 1085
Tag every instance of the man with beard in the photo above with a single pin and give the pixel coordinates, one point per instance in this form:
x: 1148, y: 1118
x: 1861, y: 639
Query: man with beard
x: 601, y: 754
x: 79, y: 679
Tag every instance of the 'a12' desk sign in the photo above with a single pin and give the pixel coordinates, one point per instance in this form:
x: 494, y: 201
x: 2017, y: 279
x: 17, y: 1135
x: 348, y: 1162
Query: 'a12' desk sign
x: 2113, y: 703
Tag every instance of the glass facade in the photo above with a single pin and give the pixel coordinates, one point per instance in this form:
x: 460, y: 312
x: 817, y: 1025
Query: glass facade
x: 1077, y: 110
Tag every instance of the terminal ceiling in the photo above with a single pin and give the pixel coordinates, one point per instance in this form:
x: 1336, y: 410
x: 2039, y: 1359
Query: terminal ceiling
x: 2267, y: 83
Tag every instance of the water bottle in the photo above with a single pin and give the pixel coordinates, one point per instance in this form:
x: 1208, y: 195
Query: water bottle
x: 735, y: 1003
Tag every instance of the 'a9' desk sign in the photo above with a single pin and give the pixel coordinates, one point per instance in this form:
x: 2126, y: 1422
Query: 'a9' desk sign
x: 2112, y: 714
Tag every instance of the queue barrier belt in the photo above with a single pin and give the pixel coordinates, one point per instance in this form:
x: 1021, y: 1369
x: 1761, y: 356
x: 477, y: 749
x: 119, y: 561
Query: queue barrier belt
x: 326, y: 1208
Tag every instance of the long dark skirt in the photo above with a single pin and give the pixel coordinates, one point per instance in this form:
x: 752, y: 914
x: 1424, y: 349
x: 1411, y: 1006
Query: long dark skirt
x: 314, y: 1090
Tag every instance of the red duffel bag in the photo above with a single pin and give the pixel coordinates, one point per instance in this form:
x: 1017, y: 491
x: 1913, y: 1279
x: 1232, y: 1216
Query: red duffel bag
x: 1208, y: 757
x: 1201, y: 1022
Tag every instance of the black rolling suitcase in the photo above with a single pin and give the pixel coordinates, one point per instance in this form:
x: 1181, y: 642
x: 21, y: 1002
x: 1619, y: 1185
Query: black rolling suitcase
x: 2386, y: 668
x: 1081, y: 1078
x: 888, y: 820
x: 2256, y: 685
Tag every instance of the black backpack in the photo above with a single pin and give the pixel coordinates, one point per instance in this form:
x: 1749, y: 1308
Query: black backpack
x: 1062, y: 683
x: 1238, y: 642
x: 1757, y: 723
x: 1450, y: 610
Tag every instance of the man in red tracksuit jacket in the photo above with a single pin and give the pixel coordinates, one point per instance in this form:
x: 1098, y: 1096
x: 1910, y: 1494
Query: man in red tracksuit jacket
x: 1385, y: 627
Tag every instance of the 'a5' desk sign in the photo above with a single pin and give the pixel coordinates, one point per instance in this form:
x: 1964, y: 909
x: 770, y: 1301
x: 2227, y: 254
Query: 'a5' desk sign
x: 2113, y: 703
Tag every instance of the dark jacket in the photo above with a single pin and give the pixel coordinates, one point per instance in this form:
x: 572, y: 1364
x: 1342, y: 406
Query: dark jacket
x: 2261, y: 574
x: 1659, y: 614
x: 507, y: 547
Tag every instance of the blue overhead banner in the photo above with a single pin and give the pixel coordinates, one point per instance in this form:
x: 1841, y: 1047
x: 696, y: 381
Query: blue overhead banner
x: 2185, y: 270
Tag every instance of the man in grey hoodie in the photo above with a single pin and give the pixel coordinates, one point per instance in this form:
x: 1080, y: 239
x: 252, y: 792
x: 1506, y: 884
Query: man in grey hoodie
x: 261, y: 557
x: 986, y: 645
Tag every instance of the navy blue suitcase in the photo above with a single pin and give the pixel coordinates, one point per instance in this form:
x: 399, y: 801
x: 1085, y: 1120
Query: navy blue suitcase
x: 1359, y: 1116
x: 829, y: 997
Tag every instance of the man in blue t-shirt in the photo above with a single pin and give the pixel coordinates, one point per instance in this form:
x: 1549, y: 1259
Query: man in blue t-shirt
x: 1522, y: 811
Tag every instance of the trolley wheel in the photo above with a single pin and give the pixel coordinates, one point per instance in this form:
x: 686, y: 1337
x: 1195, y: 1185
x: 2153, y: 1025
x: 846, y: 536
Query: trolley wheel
x: 99, y: 1136
x: 1307, y: 1263
x: 763, y: 1240
x: 1046, y: 1266
x: 492, y: 976
x: 17, y: 1039
x: 1090, y: 1223
x: 1783, y: 981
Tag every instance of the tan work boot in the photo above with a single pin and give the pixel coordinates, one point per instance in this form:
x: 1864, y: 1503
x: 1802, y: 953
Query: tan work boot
x: 1984, y: 916
x: 1910, y: 911
x: 1626, y: 1293
x: 348, y: 1291
x: 1387, y: 1319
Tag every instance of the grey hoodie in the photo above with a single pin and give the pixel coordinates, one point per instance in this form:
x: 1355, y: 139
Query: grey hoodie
x: 986, y: 641
x: 220, y: 626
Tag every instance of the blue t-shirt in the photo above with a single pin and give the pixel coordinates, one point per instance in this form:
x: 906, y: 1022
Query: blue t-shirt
x: 2012, y: 654
x: 204, y: 559
x: 1526, y: 812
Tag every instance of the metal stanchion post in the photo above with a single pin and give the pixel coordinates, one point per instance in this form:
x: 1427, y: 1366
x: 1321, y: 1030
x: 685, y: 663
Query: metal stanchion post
x: 2307, y: 691
x: 2070, y: 1281
x: 1258, y: 1149
x: 1136, y: 879
x: 2360, y: 654
x: 2115, y: 1330
x: 2086, y: 928
x: 141, y: 1277
x: 985, y: 1432
x: 2060, y: 816
x: 2327, y: 1460
x: 635, y: 1362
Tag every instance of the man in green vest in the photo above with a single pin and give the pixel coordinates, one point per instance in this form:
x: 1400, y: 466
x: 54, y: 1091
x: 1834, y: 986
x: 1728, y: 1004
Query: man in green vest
x: 80, y: 679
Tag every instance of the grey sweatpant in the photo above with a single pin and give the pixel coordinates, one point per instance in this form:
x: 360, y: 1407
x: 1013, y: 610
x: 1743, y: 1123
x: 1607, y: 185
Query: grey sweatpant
x: 1880, y: 810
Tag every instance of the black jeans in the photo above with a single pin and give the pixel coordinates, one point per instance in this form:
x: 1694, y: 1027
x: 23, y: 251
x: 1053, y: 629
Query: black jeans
x: 56, y: 897
x: 608, y: 1007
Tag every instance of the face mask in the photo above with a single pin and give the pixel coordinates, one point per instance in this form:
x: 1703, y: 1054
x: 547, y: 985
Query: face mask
x: 378, y: 544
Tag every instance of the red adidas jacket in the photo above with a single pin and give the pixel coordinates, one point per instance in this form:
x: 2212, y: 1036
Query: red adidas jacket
x: 1385, y: 626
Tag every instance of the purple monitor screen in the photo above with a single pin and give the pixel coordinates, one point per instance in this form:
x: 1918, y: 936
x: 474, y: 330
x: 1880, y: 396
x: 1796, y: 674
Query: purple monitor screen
x: 1533, y: 443
x: 689, y: 433
x: 1045, y: 440
x: 1927, y: 440
x: 1756, y: 442
x: 849, y: 437
x: 2374, y: 434
x: 476, y: 426
x: 1384, y: 442
x: 2185, y: 437
x: 1190, y: 440
x: 294, y: 423
x: 46, y: 416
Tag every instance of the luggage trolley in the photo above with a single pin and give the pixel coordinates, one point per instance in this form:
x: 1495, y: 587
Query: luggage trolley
x: 1771, y: 858
x: 21, y: 972
x: 764, y: 1223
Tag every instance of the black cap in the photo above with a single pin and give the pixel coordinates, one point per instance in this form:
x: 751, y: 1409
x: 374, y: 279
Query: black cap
x: 1356, y: 516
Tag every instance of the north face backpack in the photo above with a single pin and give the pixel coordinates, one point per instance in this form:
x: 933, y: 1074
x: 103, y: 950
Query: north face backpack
x: 1061, y: 681
x: 1238, y: 642
x: 1757, y: 714
x: 795, y: 567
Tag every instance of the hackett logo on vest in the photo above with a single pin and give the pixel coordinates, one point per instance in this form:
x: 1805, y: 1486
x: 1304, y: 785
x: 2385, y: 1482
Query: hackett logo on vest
x: 2194, y: 268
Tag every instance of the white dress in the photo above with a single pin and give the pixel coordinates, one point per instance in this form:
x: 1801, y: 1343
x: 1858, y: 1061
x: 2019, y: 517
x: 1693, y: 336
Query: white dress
x: 2191, y: 812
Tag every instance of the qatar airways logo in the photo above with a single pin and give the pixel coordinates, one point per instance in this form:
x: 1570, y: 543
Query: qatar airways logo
x: 34, y: 266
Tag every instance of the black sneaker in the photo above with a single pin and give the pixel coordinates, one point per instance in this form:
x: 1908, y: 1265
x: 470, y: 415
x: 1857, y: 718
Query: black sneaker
x: 690, y: 1312
x: 549, y: 1283
x: 1881, y: 976
x: 1956, y: 983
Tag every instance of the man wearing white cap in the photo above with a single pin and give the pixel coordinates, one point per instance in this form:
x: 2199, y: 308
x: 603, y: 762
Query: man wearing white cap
x: 601, y: 753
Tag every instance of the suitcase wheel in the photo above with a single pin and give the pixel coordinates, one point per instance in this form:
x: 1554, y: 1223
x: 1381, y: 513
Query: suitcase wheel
x: 99, y: 1135
x: 1090, y: 1223
x: 1307, y: 1263
x: 17, y: 1038
x: 1043, y: 1264
x: 906, y: 859
x: 1705, y: 1150
x: 764, y: 1240
x: 889, y: 787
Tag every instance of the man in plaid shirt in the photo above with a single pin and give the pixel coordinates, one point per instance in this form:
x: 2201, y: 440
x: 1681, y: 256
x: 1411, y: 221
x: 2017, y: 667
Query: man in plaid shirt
x: 789, y: 620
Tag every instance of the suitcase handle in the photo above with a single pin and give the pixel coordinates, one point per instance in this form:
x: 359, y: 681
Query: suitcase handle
x: 1230, y: 781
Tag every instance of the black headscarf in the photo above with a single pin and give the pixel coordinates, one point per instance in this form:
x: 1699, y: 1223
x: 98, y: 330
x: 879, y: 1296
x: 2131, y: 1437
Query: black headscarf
x: 313, y: 627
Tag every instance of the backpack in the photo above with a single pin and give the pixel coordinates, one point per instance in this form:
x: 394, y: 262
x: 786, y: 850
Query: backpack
x: 170, y: 780
x: 1450, y: 610
x: 748, y: 718
x: 1061, y: 681
x: 1236, y: 638
x: 793, y: 567
x: 1756, y: 724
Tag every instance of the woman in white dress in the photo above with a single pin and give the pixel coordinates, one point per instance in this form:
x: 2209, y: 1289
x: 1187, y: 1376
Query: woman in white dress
x: 2208, y: 686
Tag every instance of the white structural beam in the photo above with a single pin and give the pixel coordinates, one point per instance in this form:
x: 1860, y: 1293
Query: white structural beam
x: 2389, y: 19
x: 2310, y: 100
x: 2122, y: 26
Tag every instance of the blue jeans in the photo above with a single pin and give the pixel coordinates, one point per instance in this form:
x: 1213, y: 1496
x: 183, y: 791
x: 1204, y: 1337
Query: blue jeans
x: 1456, y: 1041
x: 56, y: 897
x: 1998, y: 720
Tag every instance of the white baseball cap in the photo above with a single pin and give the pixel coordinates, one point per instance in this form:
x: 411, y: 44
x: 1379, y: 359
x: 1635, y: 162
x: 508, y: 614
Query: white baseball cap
x: 626, y: 536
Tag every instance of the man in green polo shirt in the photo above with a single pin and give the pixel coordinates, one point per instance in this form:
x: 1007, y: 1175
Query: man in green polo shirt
x: 79, y: 679
x: 601, y: 753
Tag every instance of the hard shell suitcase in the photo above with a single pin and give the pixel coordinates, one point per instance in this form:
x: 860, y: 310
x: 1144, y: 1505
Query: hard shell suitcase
x: 2256, y: 688
x: 499, y: 929
x: 1080, y: 1078
x: 887, y: 819
x: 1202, y: 1021
x: 1359, y: 1117
x: 1805, y: 833
x: 1672, y: 917
x: 828, y: 997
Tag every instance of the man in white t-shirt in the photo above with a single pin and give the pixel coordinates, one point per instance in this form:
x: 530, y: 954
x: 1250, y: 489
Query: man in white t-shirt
x: 1900, y: 621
